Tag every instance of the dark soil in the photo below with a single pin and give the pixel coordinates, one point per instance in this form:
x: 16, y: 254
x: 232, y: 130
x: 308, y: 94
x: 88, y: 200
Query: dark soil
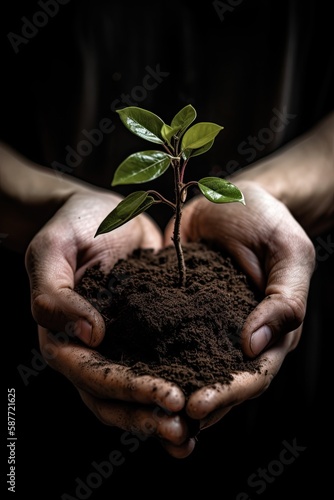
x: 189, y: 336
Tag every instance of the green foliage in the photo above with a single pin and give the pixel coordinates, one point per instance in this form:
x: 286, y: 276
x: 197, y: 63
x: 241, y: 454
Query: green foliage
x: 133, y: 205
x: 200, y: 135
x: 141, y: 167
x: 181, y: 141
x: 218, y: 190
x: 143, y: 123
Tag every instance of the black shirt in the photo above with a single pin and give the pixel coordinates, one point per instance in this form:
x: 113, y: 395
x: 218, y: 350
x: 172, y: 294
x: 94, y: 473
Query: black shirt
x: 263, y: 70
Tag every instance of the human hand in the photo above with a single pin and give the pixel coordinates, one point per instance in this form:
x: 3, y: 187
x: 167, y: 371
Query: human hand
x: 145, y: 406
x: 65, y: 247
x: 275, y: 252
x: 55, y: 260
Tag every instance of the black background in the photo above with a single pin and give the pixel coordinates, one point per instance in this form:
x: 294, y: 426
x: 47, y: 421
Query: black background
x: 58, y: 439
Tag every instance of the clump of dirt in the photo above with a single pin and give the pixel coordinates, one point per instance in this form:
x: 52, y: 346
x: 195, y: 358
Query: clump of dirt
x: 189, y: 335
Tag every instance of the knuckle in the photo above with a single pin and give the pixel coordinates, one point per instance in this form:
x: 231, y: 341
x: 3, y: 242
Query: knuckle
x: 40, y: 303
x: 294, y: 312
x: 310, y: 252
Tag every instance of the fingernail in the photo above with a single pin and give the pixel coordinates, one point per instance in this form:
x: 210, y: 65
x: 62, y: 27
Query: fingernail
x: 260, y: 339
x: 83, y: 330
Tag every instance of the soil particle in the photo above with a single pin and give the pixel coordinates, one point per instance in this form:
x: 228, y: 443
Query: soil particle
x: 190, y: 335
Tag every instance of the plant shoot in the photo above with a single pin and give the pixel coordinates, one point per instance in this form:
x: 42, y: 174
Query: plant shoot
x: 180, y: 141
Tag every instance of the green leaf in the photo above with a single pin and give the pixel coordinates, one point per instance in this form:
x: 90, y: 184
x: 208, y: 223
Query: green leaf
x: 199, y: 135
x: 219, y: 190
x: 183, y: 119
x: 168, y: 132
x: 195, y: 152
x: 141, y: 167
x: 142, y: 123
x: 133, y: 205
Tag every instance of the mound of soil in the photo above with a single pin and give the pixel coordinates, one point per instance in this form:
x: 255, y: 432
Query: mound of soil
x: 188, y: 335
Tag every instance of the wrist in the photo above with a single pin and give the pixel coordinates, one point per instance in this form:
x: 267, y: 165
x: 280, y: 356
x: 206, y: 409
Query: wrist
x: 29, y: 195
x: 301, y: 175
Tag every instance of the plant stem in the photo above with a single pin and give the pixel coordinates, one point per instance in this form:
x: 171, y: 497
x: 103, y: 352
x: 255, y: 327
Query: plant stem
x: 161, y: 198
x: 177, y: 224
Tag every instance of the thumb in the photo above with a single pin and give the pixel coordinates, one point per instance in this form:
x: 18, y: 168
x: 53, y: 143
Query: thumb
x: 274, y: 317
x: 284, y: 307
x: 152, y: 237
x: 62, y: 310
x: 54, y: 303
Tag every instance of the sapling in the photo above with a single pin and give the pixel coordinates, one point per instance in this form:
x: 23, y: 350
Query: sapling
x: 180, y: 143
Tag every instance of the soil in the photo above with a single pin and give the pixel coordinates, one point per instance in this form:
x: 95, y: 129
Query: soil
x: 188, y: 335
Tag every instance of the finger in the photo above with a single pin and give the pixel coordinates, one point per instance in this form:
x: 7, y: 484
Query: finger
x: 244, y: 386
x: 284, y: 306
x: 149, y: 421
x: 90, y: 371
x: 214, y: 417
x: 171, y: 430
x: 152, y: 235
x: 182, y: 451
x: 54, y: 303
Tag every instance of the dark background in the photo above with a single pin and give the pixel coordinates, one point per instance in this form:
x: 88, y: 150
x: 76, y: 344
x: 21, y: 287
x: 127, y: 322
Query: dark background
x: 46, y: 101
x: 59, y: 439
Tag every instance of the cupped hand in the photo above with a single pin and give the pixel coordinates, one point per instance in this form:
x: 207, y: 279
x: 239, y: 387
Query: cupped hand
x: 276, y: 253
x: 65, y: 247
x: 55, y: 260
x: 143, y: 405
x: 210, y: 404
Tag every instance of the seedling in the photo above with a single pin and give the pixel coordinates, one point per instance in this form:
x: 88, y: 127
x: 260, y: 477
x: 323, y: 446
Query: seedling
x: 180, y: 143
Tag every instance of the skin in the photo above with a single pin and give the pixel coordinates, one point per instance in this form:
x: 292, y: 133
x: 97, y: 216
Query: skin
x: 55, y: 233
x: 279, y: 257
x: 117, y: 399
x: 56, y: 306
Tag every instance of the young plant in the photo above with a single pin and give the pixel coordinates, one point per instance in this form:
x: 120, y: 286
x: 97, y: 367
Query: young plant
x: 180, y: 143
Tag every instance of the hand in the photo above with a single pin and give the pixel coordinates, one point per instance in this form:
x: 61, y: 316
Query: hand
x: 210, y: 404
x: 275, y: 252
x: 56, y: 259
x: 65, y: 247
x: 143, y: 405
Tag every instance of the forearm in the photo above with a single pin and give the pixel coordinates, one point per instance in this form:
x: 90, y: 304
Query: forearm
x: 301, y: 175
x: 29, y: 196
